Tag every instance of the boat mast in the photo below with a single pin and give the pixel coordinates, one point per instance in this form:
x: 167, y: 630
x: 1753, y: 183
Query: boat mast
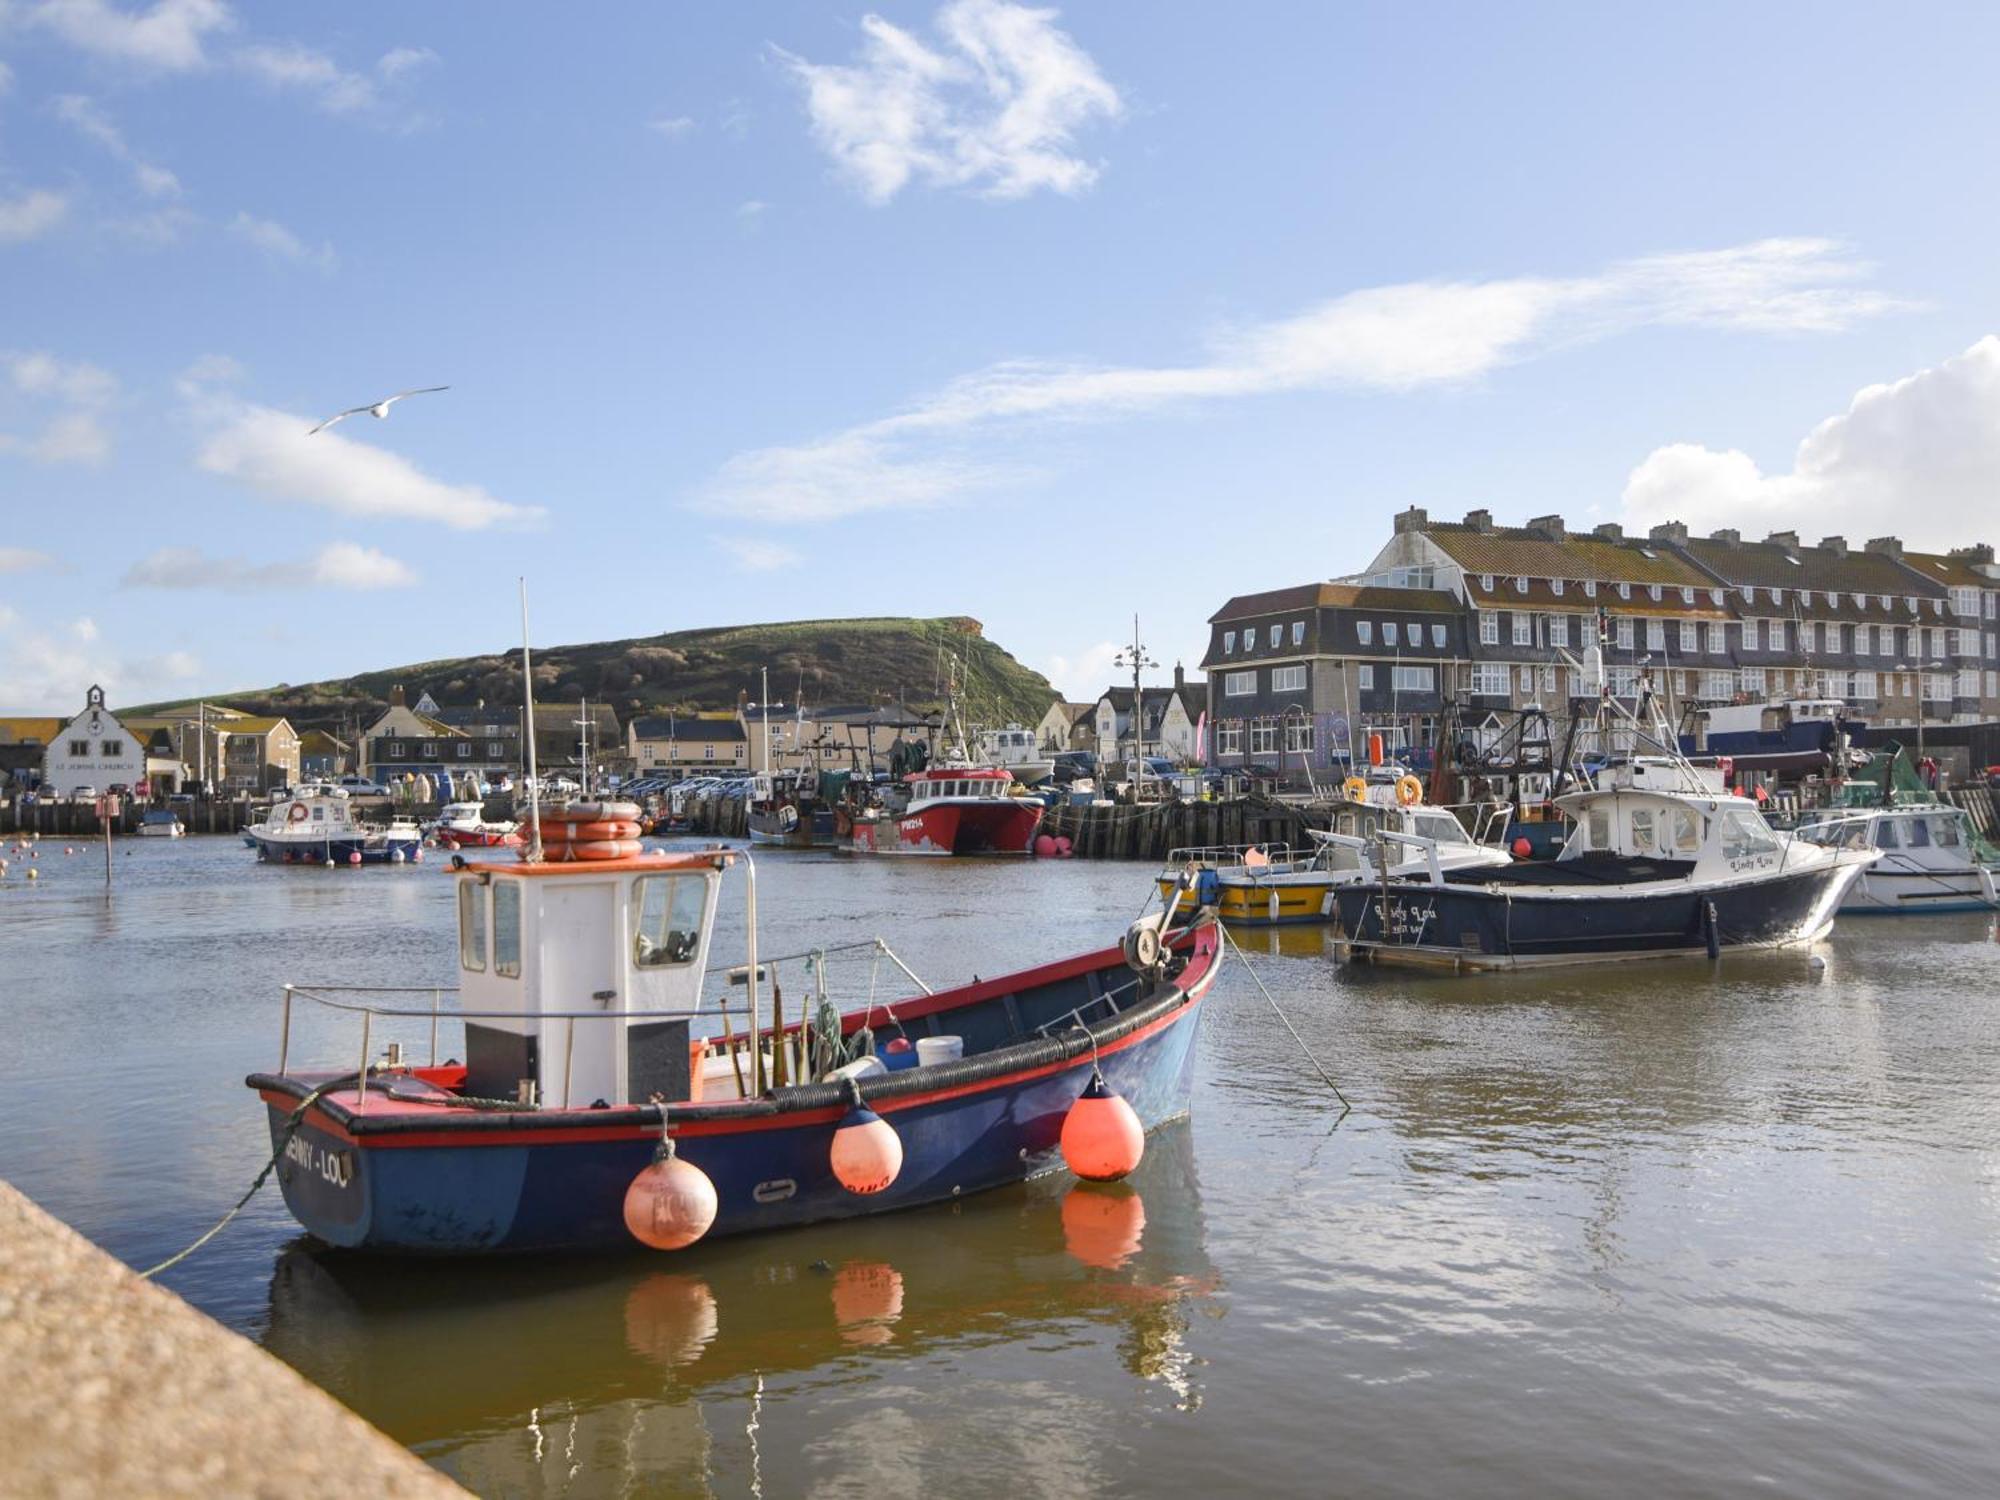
x: 764, y: 715
x: 533, y: 852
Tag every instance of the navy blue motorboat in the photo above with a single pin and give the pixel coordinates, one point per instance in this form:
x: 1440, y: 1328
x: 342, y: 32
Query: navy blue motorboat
x: 579, y: 984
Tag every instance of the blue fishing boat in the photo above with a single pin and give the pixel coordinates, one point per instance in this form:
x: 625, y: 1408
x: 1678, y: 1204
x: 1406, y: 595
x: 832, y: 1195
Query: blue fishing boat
x: 580, y: 984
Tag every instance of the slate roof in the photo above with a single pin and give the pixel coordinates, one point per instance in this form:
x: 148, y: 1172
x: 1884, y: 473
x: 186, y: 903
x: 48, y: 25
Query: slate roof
x: 687, y: 727
x: 1957, y: 571
x: 1336, y: 596
x: 1771, y: 565
x: 1515, y: 550
x: 14, y: 730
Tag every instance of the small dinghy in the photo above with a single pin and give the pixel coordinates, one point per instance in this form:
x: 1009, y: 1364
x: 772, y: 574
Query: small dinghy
x: 588, y: 1114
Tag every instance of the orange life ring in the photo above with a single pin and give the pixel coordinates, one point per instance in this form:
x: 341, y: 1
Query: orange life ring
x: 621, y: 828
x: 596, y: 849
x: 1409, y: 790
x: 1356, y: 789
x: 591, y: 812
x: 298, y: 813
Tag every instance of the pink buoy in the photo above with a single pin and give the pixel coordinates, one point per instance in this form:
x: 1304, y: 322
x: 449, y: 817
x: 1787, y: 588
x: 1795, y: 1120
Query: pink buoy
x: 1063, y: 845
x: 671, y: 1203
x: 866, y: 1154
x: 1045, y: 846
x: 354, y: 857
x: 1102, y: 1139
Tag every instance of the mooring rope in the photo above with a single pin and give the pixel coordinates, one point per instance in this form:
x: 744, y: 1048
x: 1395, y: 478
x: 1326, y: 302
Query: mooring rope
x: 1230, y: 938
x: 292, y: 1123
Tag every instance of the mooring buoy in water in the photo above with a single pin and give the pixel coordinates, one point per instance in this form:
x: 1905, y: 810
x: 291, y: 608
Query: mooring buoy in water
x: 1102, y: 1139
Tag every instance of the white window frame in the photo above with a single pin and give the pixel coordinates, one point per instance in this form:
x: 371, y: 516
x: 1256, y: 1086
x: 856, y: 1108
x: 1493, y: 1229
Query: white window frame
x: 1364, y: 632
x: 1524, y: 628
x: 1239, y: 684
x: 1489, y: 627
x: 1288, y: 679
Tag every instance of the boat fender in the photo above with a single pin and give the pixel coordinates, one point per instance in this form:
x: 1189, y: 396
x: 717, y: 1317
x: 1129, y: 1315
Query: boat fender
x: 1355, y: 788
x: 671, y: 1203
x: 866, y: 1154
x: 1102, y: 1139
x: 1409, y: 790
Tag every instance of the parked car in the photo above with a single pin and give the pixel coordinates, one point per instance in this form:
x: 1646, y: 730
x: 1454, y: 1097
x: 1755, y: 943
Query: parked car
x: 83, y: 794
x: 1073, y: 764
x: 360, y: 786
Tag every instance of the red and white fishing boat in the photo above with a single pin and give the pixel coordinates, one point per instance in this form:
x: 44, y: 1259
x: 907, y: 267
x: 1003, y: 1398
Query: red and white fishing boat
x: 463, y: 825
x: 948, y: 809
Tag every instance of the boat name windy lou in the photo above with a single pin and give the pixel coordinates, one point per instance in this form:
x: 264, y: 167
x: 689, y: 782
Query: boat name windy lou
x: 587, y: 1114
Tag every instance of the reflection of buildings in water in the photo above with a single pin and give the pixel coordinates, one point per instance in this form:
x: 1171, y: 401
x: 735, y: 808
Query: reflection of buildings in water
x: 634, y: 1446
x: 1301, y: 940
x: 454, y: 1359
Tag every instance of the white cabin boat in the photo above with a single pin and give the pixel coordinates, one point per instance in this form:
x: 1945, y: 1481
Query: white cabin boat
x: 317, y: 824
x: 1931, y: 858
x: 160, y: 823
x: 1013, y: 749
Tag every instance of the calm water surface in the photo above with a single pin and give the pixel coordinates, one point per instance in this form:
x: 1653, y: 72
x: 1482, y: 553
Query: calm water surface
x: 1670, y: 1230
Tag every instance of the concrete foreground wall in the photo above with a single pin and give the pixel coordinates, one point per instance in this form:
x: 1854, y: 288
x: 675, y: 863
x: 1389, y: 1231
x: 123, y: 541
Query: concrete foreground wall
x: 111, y: 1386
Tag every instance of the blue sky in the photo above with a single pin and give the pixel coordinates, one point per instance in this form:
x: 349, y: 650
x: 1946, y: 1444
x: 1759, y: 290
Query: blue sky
x: 765, y: 312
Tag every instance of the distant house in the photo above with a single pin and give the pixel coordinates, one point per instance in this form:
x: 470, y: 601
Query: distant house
x: 323, y: 757
x: 681, y: 745
x: 94, y: 750
x: 1067, y: 726
x: 832, y: 738
x: 259, y: 753
x: 565, y: 731
x: 1166, y: 722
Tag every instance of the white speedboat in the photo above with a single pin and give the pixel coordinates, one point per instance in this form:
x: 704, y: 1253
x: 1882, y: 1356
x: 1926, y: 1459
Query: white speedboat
x: 160, y: 823
x: 317, y: 824
x: 1931, y: 857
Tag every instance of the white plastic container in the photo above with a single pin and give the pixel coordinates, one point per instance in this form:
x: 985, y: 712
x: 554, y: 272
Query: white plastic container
x: 861, y: 1067
x: 937, y: 1049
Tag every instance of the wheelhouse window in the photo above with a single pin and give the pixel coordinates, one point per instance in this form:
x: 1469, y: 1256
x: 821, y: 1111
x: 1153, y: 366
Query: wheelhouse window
x: 666, y: 919
x: 1744, y: 835
x: 471, y: 926
x: 1686, y: 831
x: 507, y: 929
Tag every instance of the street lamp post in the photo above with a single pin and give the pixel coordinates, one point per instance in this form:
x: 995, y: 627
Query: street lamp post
x: 1136, y: 658
x: 1922, y: 668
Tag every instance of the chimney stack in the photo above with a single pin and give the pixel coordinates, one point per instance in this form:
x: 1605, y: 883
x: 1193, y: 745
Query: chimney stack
x: 396, y: 699
x: 1886, y: 546
x: 1789, y: 540
x: 1837, y: 545
x: 1480, y: 521
x: 1981, y: 552
x: 1610, y: 531
x: 1728, y: 536
x: 1416, y: 518
x: 1180, y: 677
x: 1548, y: 526
x: 1674, y: 532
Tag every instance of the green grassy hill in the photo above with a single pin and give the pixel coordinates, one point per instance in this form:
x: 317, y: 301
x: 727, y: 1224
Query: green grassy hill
x: 821, y: 661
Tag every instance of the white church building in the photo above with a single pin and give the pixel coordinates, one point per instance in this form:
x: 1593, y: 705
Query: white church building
x: 93, y: 750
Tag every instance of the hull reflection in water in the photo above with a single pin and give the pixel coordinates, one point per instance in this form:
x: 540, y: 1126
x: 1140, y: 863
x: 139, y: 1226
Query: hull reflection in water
x: 493, y: 1370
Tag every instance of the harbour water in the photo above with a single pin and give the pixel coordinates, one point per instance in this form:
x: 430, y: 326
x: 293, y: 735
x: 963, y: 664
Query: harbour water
x: 1668, y: 1229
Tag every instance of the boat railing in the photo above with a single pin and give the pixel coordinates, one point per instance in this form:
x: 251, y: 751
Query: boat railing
x: 1371, y: 846
x: 1224, y: 856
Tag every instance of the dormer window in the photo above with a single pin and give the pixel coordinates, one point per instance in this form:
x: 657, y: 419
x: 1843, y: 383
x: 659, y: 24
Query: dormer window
x: 1749, y: 593
x: 1520, y: 583
x: 1777, y: 595
x: 1228, y: 642
x: 1486, y: 582
x: 1687, y: 594
x: 1715, y: 597
x: 1590, y: 588
x: 1887, y: 603
x: 1298, y: 632
x: 1624, y: 591
x: 1556, y: 587
x: 1364, y: 632
x: 1654, y: 593
x: 1913, y: 606
x: 1277, y: 636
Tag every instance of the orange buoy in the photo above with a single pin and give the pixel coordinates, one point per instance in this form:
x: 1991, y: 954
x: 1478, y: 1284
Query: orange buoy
x: 671, y: 1203
x: 1374, y: 749
x: 1102, y: 1138
x: 1102, y: 1224
x: 867, y: 1154
x: 1522, y: 848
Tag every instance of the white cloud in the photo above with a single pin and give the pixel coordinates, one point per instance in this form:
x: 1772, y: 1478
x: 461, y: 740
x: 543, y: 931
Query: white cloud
x: 995, y: 108
x: 1919, y: 457
x: 73, y: 434
x: 280, y: 243
x: 84, y: 116
x: 293, y: 67
x: 31, y: 215
x: 270, y: 453
x: 24, y: 560
x: 1080, y: 678
x: 49, y: 670
x: 673, y: 127
x: 1392, y: 338
x: 757, y: 555
x: 167, y: 35
x: 340, y: 565
x: 85, y: 629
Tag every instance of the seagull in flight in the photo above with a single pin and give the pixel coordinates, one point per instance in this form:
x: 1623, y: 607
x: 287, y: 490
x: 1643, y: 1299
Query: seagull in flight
x: 377, y: 408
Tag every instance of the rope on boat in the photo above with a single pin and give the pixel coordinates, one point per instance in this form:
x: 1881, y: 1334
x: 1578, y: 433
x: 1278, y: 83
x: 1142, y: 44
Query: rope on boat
x: 1244, y: 958
x: 292, y: 1123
